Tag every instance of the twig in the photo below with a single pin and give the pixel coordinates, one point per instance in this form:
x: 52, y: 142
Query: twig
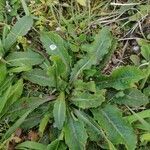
x: 125, y: 39
x: 123, y: 51
x: 127, y: 4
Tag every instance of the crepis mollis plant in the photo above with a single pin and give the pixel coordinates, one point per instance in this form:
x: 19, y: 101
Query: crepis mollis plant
x: 81, y: 111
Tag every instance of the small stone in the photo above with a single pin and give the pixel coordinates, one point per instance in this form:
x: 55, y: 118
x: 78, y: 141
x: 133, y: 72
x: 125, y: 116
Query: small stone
x: 58, y: 29
x: 52, y: 47
x: 17, y: 47
x: 136, y: 49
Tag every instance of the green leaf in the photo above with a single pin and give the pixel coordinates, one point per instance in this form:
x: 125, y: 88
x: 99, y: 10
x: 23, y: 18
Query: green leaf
x: 142, y: 12
x: 60, y: 71
x: 145, y: 124
x: 90, y: 86
x: 15, y: 125
x: 96, y: 52
x: 24, y: 5
x: 60, y: 68
x: 145, y: 51
x: 135, y: 59
x: 145, y: 137
x: 82, y: 2
x: 29, y: 58
x: 56, y: 145
x: 31, y: 145
x: 145, y: 46
x: 1, y: 49
x: 109, y: 55
x: 116, y: 128
x: 142, y: 125
x: 16, y: 92
x: 20, y: 69
x: 75, y: 134
x: 59, y: 111
x: 40, y: 77
x: 11, y: 95
x: 132, y: 97
x: 80, y: 66
x: 37, y: 103
x: 94, y: 127
x: 43, y: 124
x: 21, y: 28
x: 86, y: 100
x: 2, y: 8
x: 143, y: 114
x: 53, y: 145
x: 121, y: 78
x: 7, y: 82
x: 90, y: 122
x: 54, y: 45
x: 102, y: 45
x: 4, y: 98
x: 146, y: 91
x: 3, y: 72
x: 23, y: 105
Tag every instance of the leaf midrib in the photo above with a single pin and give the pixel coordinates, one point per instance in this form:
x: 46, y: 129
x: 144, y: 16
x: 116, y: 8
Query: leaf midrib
x: 25, y: 58
x: 74, y: 133
x: 109, y: 120
x: 42, y: 77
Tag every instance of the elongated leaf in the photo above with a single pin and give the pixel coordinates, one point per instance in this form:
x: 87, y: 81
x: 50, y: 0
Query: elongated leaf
x: 86, y: 100
x: 4, y: 99
x: 96, y: 52
x: 40, y: 77
x: 60, y: 71
x: 20, y: 69
x: 143, y: 10
x: 23, y: 105
x: 94, y: 127
x: 2, y: 4
x: 43, y: 124
x: 146, y: 91
x: 21, y: 28
x: 56, y: 145
x: 82, y: 2
x: 3, y: 72
x: 75, y: 134
x: 145, y: 124
x: 59, y: 111
x: 24, y: 5
x: 102, y: 44
x: 79, y: 85
x: 7, y: 82
x: 59, y: 66
x: 14, y: 93
x: 54, y: 45
x: 116, y: 128
x: 1, y: 49
x: 143, y: 114
x: 29, y: 58
x: 121, y: 78
x: 132, y: 97
x: 145, y: 51
x: 89, y: 121
x: 36, y: 104
x: 145, y: 137
x: 53, y: 145
x: 80, y: 66
x: 31, y: 145
x: 15, y: 125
